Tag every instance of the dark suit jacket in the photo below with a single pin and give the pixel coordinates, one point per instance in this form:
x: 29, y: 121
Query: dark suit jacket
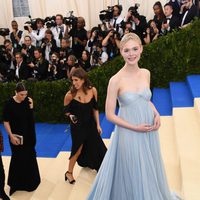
x: 42, y: 69
x: 192, y: 13
x: 24, y: 71
x: 176, y: 7
x: 174, y: 22
x: 14, y: 41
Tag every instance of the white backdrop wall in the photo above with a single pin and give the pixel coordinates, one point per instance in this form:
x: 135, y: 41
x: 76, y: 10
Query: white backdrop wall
x: 89, y: 9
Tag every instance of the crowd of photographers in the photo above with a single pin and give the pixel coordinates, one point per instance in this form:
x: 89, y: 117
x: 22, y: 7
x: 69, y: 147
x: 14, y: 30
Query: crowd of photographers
x: 52, y: 48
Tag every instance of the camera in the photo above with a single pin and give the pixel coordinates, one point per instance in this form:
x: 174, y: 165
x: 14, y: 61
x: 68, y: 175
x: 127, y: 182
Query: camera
x: 106, y: 15
x: 4, y: 31
x: 134, y: 11
x: 50, y: 21
x: 71, y: 20
x: 32, y: 23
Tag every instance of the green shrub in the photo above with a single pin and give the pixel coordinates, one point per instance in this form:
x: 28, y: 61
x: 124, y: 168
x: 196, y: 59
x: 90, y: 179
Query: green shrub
x: 169, y: 58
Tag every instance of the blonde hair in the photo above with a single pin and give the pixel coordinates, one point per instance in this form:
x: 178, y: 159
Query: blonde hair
x: 129, y: 36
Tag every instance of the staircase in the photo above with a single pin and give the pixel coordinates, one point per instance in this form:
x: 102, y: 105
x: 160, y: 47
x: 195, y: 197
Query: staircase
x: 179, y: 106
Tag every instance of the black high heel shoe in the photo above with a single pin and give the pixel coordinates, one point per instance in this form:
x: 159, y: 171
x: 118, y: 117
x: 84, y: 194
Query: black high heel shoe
x: 66, y: 178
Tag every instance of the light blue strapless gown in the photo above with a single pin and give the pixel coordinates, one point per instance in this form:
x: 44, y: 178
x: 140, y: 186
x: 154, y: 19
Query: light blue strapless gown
x: 132, y: 168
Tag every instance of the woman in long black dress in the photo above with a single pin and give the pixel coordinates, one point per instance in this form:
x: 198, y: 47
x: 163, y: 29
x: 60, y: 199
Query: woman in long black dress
x: 18, y: 119
x: 80, y: 104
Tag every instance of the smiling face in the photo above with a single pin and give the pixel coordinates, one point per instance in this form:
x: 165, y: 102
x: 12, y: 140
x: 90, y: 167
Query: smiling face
x: 77, y: 82
x: 131, y: 51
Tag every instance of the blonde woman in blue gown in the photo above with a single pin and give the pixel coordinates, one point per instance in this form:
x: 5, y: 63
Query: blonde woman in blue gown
x: 132, y: 168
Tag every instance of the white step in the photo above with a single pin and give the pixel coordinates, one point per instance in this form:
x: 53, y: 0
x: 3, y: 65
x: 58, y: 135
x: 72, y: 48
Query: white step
x: 170, y: 153
x: 197, y: 107
x: 187, y: 128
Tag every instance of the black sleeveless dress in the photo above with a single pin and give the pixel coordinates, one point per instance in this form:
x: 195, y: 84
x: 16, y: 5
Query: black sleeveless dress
x: 85, y: 132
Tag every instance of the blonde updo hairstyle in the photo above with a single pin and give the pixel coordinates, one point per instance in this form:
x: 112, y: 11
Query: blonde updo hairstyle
x: 129, y: 36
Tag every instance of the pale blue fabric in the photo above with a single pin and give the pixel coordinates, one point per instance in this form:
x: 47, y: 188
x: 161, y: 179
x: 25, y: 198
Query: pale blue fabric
x: 132, y: 168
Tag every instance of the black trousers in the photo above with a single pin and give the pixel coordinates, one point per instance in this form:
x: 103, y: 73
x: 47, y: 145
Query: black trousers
x: 2, y: 175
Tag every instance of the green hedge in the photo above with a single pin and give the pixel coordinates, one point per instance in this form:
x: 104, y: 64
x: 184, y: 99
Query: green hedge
x: 170, y: 58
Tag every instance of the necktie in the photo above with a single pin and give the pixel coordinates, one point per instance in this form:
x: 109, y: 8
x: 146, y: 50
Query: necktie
x: 60, y: 34
x: 114, y: 24
x: 37, y: 42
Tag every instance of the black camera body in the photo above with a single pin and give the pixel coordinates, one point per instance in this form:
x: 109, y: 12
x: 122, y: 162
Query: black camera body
x: 50, y: 21
x: 32, y: 23
x: 133, y: 10
x: 106, y: 15
x: 71, y: 20
x: 4, y: 31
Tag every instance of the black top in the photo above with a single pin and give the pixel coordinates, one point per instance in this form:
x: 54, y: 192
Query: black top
x: 20, y: 118
x: 76, y: 46
x: 23, y: 170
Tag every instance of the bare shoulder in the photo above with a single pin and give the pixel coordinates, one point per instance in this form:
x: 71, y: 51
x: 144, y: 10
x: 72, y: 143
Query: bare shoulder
x: 68, y: 97
x: 115, y: 79
x: 145, y: 71
x: 94, y: 90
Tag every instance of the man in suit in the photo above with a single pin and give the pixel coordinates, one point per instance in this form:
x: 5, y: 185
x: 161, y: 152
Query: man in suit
x: 170, y: 21
x: 39, y: 67
x: 3, y: 195
x: 15, y: 35
x: 28, y: 49
x: 188, y: 12
x: 21, y: 72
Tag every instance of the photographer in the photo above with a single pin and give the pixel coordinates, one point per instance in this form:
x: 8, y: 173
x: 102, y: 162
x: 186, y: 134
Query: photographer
x: 28, y: 49
x: 59, y: 31
x: 9, y: 59
x: 38, y: 34
x: 98, y: 56
x: 65, y: 50
x: 39, y: 67
x: 188, y: 12
x: 117, y: 19
x: 55, y: 69
x: 158, y: 14
x: 84, y: 62
x: 111, y: 43
x: 152, y: 32
x: 79, y: 37
x: 170, y: 21
x: 48, y: 45
x: 15, y: 35
x: 3, y: 66
x: 21, y: 71
x: 139, y: 23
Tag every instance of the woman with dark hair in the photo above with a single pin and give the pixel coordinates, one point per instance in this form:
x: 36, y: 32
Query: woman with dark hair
x: 84, y: 62
x: 159, y: 14
x: 71, y: 61
x: 3, y: 195
x: 48, y: 45
x: 81, y: 108
x: 19, y: 124
x: 152, y: 32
